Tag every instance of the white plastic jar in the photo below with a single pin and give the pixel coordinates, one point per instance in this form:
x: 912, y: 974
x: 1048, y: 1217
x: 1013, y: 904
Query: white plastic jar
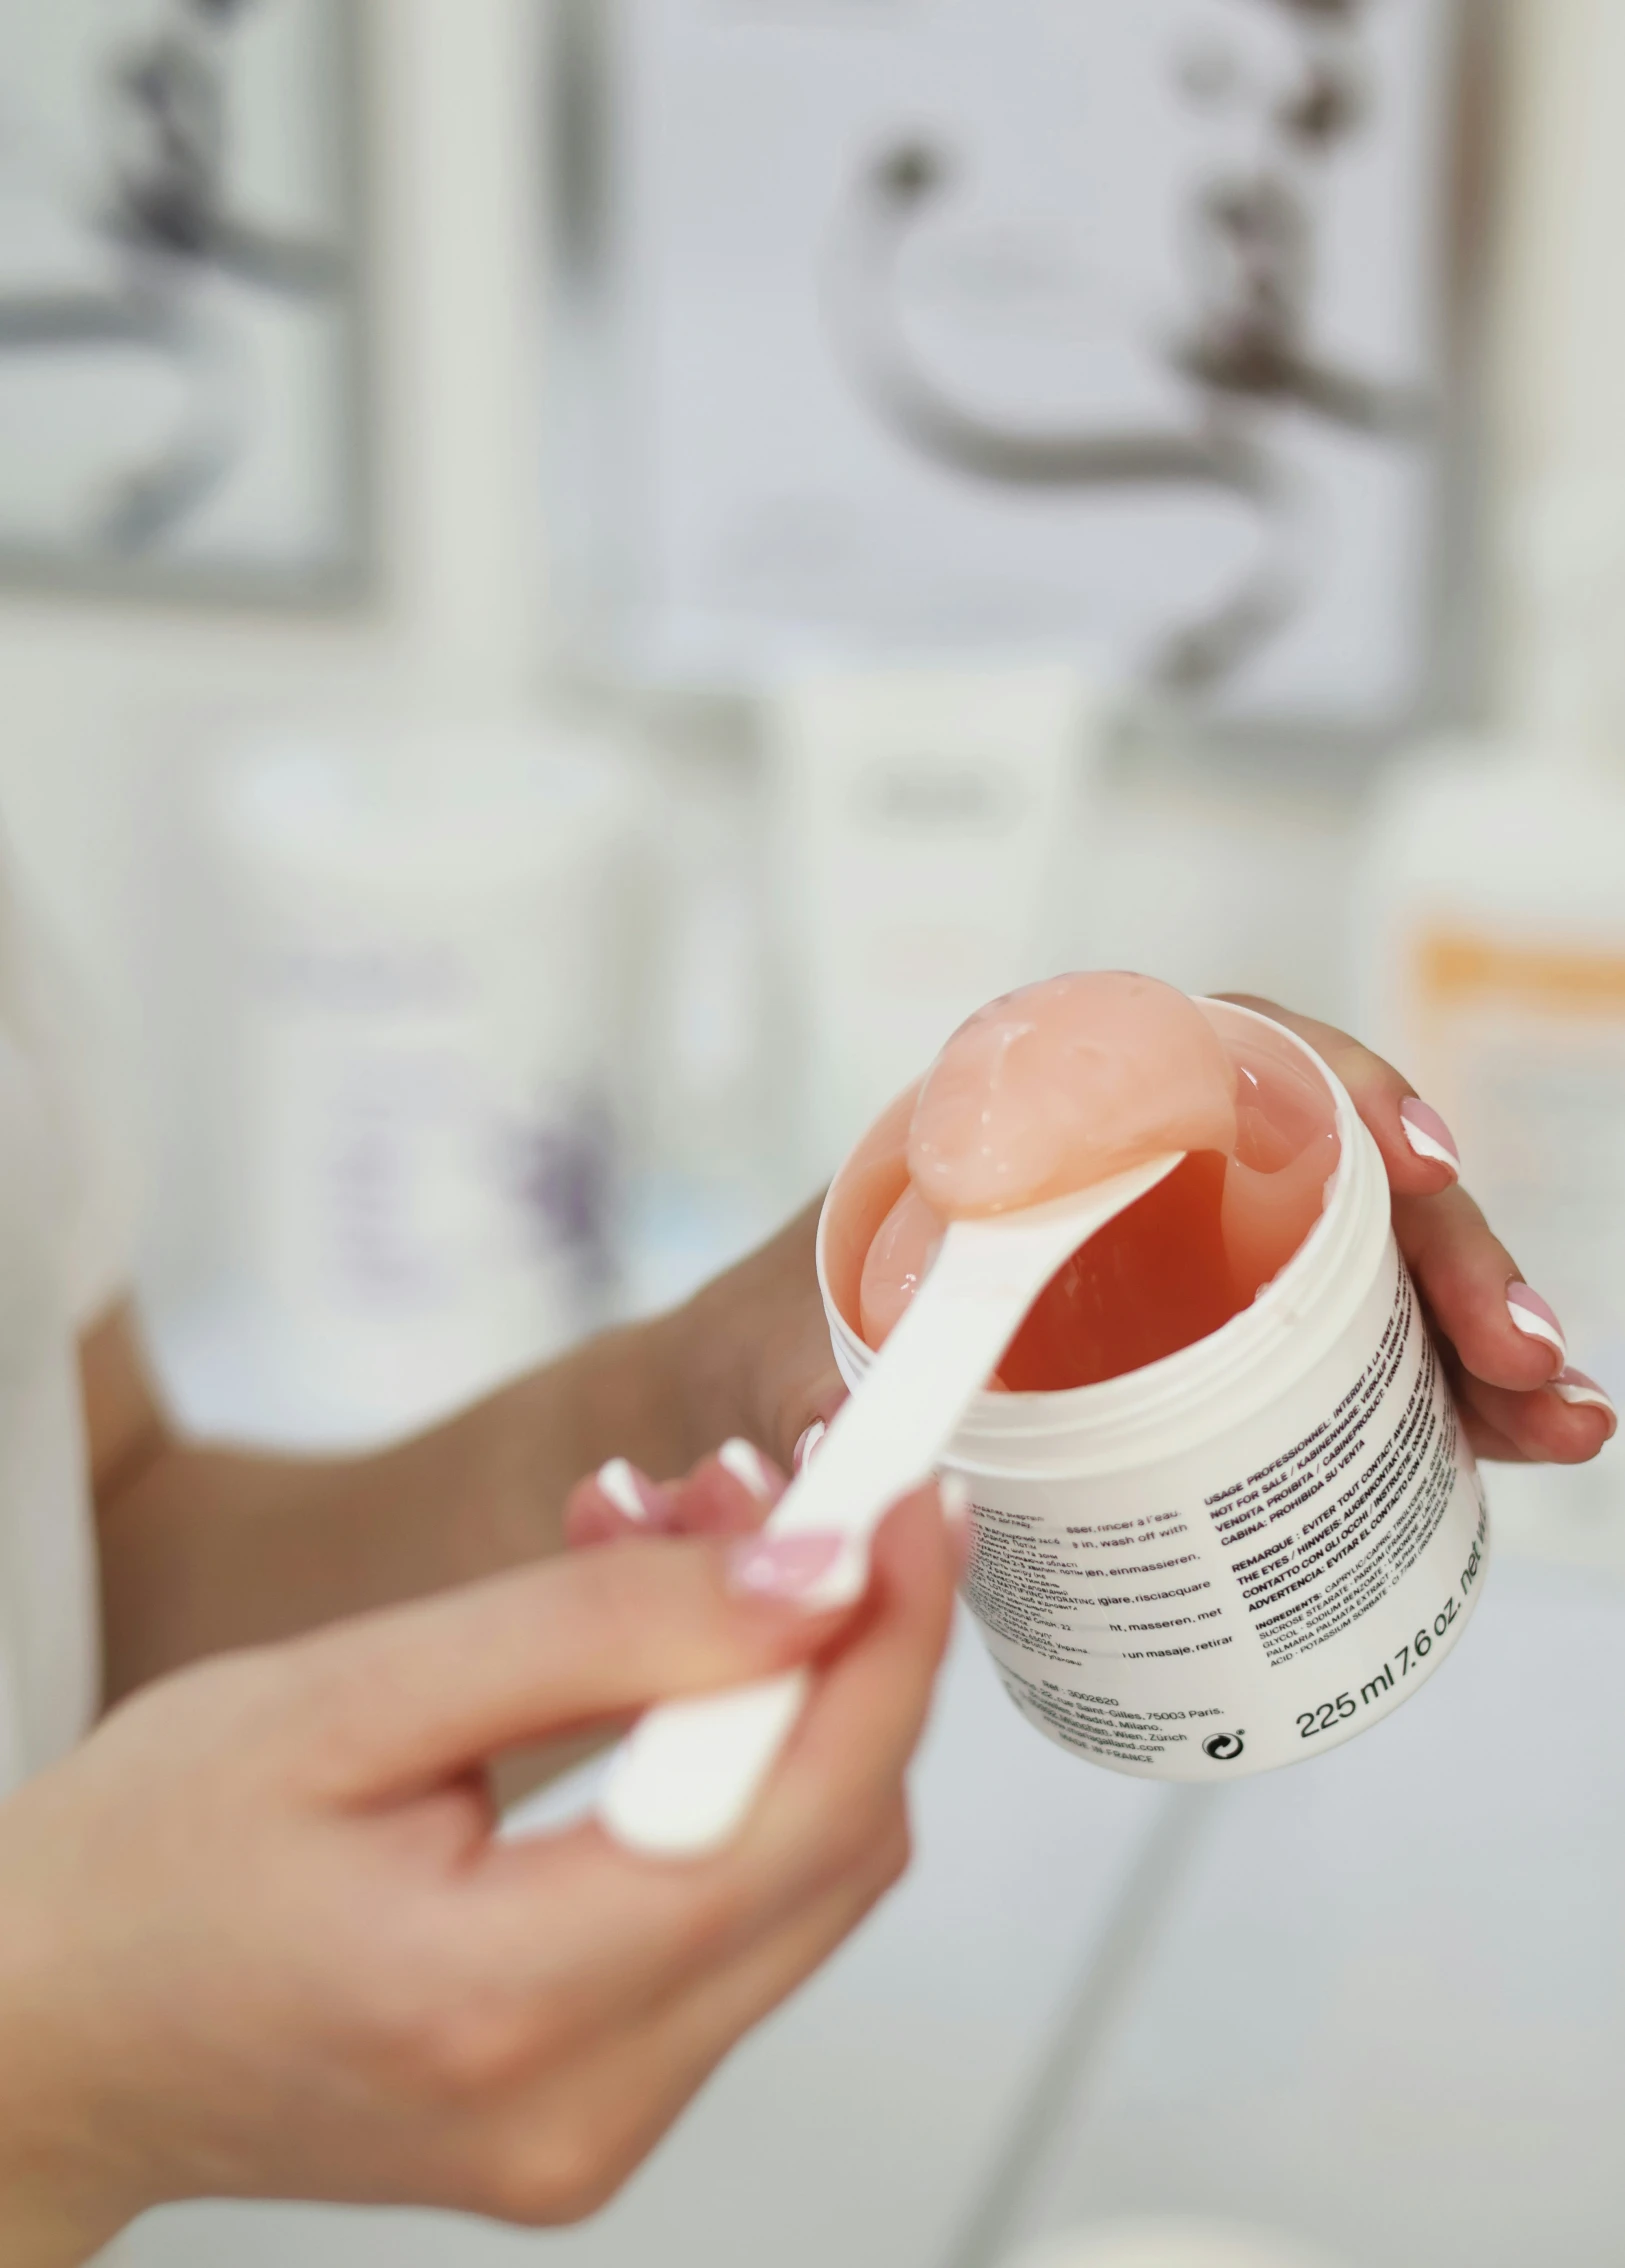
x: 1249, y: 1551
x: 428, y: 919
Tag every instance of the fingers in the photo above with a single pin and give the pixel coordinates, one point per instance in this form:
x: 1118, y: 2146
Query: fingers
x: 808, y: 1415
x: 1489, y: 1445
x: 811, y: 1440
x: 871, y: 1701
x: 617, y: 1502
x: 754, y: 1345
x: 1505, y: 1345
x: 796, y: 1382
x: 729, y: 1494
x: 1565, y: 1423
x: 1417, y: 1147
x: 1504, y: 1333
x: 556, y: 2152
x: 405, y: 1699
x: 631, y: 1923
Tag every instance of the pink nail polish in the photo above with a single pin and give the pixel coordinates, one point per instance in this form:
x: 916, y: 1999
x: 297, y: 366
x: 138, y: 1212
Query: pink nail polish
x: 1428, y: 1135
x: 1583, y: 1393
x: 808, y: 1444
x: 749, y: 1468
x: 1536, y: 1320
x: 793, y: 1568
x: 627, y: 1490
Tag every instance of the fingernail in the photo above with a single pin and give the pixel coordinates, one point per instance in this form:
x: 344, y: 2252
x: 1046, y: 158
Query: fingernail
x: 1583, y: 1393
x: 1536, y: 1320
x: 748, y: 1467
x: 808, y: 1443
x: 808, y: 1570
x: 625, y: 1487
x: 1428, y: 1134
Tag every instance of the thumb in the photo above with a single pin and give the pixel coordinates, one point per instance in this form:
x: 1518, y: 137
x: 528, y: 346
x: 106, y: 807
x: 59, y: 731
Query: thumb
x: 1379, y: 1093
x: 406, y: 1699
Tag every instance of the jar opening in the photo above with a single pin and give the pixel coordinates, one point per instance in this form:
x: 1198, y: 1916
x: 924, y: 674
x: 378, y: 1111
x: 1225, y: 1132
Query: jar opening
x: 1172, y: 1271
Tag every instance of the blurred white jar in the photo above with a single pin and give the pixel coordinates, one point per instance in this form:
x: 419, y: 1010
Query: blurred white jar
x: 429, y: 1034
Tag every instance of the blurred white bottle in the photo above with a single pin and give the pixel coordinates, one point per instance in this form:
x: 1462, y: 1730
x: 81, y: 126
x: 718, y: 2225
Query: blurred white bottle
x: 429, y: 1030
x: 711, y: 1175
x: 928, y: 838
x: 1490, y: 963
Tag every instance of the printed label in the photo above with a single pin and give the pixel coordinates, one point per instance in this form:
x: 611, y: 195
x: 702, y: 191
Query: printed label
x: 1147, y: 1582
x: 1306, y: 1579
x: 1184, y: 1619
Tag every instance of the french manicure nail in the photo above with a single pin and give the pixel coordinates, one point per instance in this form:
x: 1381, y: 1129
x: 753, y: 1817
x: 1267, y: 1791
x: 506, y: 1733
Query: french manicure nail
x: 808, y: 1444
x: 1583, y: 1393
x: 1428, y: 1135
x: 624, y: 1486
x: 1536, y: 1320
x: 797, y: 1569
x: 748, y: 1467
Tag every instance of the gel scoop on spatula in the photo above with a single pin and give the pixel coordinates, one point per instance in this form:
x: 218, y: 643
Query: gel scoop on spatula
x: 1047, y: 1115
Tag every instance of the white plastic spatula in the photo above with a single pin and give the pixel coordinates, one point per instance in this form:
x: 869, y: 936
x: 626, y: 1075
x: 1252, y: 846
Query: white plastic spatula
x: 686, y: 1778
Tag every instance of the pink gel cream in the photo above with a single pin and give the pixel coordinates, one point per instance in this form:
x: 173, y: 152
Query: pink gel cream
x: 1059, y: 1086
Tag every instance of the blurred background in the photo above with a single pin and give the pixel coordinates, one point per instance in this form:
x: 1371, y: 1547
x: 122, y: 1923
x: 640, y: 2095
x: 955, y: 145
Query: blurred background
x: 578, y: 580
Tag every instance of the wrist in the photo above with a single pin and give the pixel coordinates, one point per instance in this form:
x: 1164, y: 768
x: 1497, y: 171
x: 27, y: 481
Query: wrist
x: 702, y: 1359
x: 73, y: 2168
x: 49, y: 2227
x: 649, y: 1391
x: 61, y: 2199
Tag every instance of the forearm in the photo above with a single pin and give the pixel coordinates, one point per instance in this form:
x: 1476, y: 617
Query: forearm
x: 204, y: 1549
x: 207, y: 1549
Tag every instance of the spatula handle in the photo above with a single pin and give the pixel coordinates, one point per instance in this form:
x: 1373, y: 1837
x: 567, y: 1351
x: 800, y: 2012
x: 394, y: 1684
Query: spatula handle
x: 685, y: 1782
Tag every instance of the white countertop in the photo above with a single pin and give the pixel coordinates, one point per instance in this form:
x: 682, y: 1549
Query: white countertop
x: 1386, y: 2011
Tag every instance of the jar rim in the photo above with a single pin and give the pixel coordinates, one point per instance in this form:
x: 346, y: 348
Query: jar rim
x: 1216, y: 1381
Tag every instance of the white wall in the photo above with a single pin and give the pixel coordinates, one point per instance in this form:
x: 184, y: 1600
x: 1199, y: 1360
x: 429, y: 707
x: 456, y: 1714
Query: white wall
x: 103, y: 708
x: 106, y: 709
x: 97, y: 700
x: 1558, y: 436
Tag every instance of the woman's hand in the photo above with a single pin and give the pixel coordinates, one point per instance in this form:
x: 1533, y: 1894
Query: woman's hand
x: 754, y: 1349
x: 729, y: 1494
x: 761, y: 1356
x: 258, y: 1936
x: 1502, y: 1345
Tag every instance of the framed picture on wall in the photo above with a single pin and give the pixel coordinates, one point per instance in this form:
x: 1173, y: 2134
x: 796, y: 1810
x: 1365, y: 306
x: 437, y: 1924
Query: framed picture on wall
x: 181, y: 299
x: 1128, y: 328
